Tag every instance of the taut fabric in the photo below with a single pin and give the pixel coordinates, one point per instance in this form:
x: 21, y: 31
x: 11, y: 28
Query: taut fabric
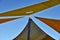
x: 35, y: 33
x: 6, y: 20
x: 55, y: 24
x: 32, y: 9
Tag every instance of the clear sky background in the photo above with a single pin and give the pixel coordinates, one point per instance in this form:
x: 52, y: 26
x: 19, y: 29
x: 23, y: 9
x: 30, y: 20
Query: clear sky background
x: 10, y: 30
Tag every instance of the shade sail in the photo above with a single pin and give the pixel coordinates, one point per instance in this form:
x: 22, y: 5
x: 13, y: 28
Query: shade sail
x: 55, y: 24
x: 35, y: 33
x: 31, y: 9
x: 6, y: 20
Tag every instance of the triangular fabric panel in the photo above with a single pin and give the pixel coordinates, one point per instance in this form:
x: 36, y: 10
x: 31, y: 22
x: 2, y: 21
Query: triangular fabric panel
x: 31, y: 9
x: 6, y: 20
x: 35, y: 33
x: 55, y: 24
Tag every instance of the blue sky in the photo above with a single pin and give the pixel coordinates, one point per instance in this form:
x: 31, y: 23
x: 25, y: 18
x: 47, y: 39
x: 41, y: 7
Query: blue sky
x: 10, y: 30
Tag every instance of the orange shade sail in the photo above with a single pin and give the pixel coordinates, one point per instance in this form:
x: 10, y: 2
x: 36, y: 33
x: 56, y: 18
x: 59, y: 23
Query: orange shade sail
x: 55, y: 24
x: 6, y: 20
